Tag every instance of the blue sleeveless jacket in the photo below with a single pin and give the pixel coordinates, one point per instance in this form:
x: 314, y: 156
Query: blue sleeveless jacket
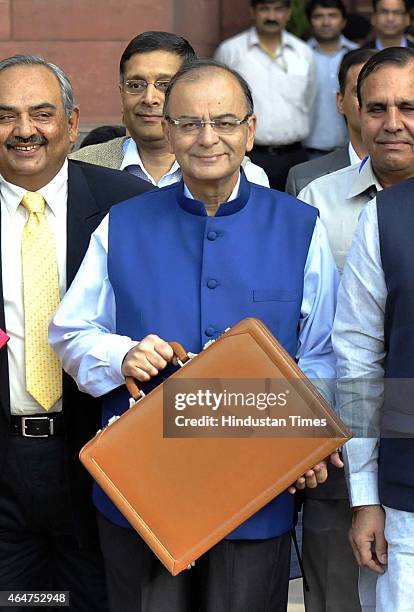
x: 185, y: 276
x: 396, y: 452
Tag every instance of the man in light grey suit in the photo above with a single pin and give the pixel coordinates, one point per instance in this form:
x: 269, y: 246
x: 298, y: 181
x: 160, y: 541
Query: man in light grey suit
x: 347, y: 104
x: 147, y: 65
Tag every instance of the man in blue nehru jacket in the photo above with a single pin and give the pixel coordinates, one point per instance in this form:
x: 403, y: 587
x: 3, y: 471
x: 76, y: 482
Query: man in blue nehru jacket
x: 208, y: 251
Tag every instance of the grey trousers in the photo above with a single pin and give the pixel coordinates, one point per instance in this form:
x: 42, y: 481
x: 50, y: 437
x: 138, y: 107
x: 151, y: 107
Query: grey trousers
x: 328, y: 561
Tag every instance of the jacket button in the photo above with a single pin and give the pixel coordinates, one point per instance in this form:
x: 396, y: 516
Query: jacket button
x: 211, y: 235
x: 212, y: 283
x: 210, y: 331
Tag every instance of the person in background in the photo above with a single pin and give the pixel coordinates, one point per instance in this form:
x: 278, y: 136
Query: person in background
x: 280, y: 70
x: 147, y: 65
x: 410, y: 31
x: 358, y: 29
x: 328, y: 130
x: 390, y: 19
x: 347, y: 104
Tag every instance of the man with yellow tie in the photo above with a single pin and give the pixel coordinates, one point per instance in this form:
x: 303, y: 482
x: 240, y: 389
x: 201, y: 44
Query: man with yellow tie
x: 49, y: 207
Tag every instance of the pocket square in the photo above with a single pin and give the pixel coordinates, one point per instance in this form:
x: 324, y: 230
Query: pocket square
x: 4, y: 338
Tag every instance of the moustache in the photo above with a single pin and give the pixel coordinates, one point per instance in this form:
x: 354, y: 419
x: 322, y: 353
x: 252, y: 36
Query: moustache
x: 36, y: 139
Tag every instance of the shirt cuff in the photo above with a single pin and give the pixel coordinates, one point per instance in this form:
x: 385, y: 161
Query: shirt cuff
x: 116, y: 356
x: 363, y: 489
x: 100, y: 372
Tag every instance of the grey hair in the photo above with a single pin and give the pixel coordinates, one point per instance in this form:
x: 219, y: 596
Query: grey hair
x: 390, y: 56
x: 66, y: 90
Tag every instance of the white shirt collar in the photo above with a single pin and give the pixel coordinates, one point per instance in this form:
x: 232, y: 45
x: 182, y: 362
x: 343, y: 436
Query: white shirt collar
x: 380, y: 46
x: 12, y: 195
x: 133, y: 158
x: 232, y: 196
x: 286, y: 39
x: 364, y: 180
x: 353, y: 156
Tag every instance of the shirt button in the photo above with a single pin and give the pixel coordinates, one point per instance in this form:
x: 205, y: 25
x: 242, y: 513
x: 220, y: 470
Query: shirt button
x: 211, y: 235
x: 212, y: 283
x: 210, y: 331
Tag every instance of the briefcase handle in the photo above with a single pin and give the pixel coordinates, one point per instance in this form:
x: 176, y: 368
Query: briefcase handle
x: 131, y: 383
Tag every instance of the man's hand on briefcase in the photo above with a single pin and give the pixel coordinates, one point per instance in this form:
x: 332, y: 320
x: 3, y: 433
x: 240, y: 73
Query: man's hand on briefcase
x: 147, y: 358
x: 317, y: 475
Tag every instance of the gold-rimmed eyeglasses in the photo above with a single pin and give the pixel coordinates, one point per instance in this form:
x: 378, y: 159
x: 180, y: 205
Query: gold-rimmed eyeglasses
x: 225, y: 125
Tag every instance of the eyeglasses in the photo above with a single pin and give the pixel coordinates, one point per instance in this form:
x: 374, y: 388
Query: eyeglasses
x: 390, y: 13
x: 137, y: 86
x: 221, y: 126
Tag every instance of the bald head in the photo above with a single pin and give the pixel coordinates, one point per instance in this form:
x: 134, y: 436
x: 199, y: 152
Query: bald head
x: 204, y: 69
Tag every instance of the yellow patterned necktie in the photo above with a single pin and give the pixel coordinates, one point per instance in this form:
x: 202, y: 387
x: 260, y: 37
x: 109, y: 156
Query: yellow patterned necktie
x: 41, y: 298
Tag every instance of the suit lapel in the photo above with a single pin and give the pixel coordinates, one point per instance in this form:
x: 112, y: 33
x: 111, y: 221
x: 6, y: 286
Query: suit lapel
x: 115, y: 155
x: 339, y: 160
x: 82, y: 212
x: 4, y: 365
x: 345, y: 159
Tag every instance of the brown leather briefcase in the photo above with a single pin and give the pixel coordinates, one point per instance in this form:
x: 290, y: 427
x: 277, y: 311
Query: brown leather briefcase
x: 185, y: 494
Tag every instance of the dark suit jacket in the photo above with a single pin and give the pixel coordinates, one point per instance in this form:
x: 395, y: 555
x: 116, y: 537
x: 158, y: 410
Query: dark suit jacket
x: 371, y: 44
x: 91, y: 191
x: 301, y: 175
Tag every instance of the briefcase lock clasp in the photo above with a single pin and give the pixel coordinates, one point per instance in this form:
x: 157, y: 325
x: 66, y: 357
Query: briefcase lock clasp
x: 134, y: 402
x: 190, y: 357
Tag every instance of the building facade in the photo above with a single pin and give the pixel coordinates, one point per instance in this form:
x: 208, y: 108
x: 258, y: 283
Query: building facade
x: 86, y: 37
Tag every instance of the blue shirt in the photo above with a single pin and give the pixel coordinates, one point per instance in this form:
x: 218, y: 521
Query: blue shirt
x: 328, y: 127
x: 380, y: 46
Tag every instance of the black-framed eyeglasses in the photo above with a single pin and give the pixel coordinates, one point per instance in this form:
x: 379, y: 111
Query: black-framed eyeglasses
x: 227, y: 125
x: 138, y: 86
